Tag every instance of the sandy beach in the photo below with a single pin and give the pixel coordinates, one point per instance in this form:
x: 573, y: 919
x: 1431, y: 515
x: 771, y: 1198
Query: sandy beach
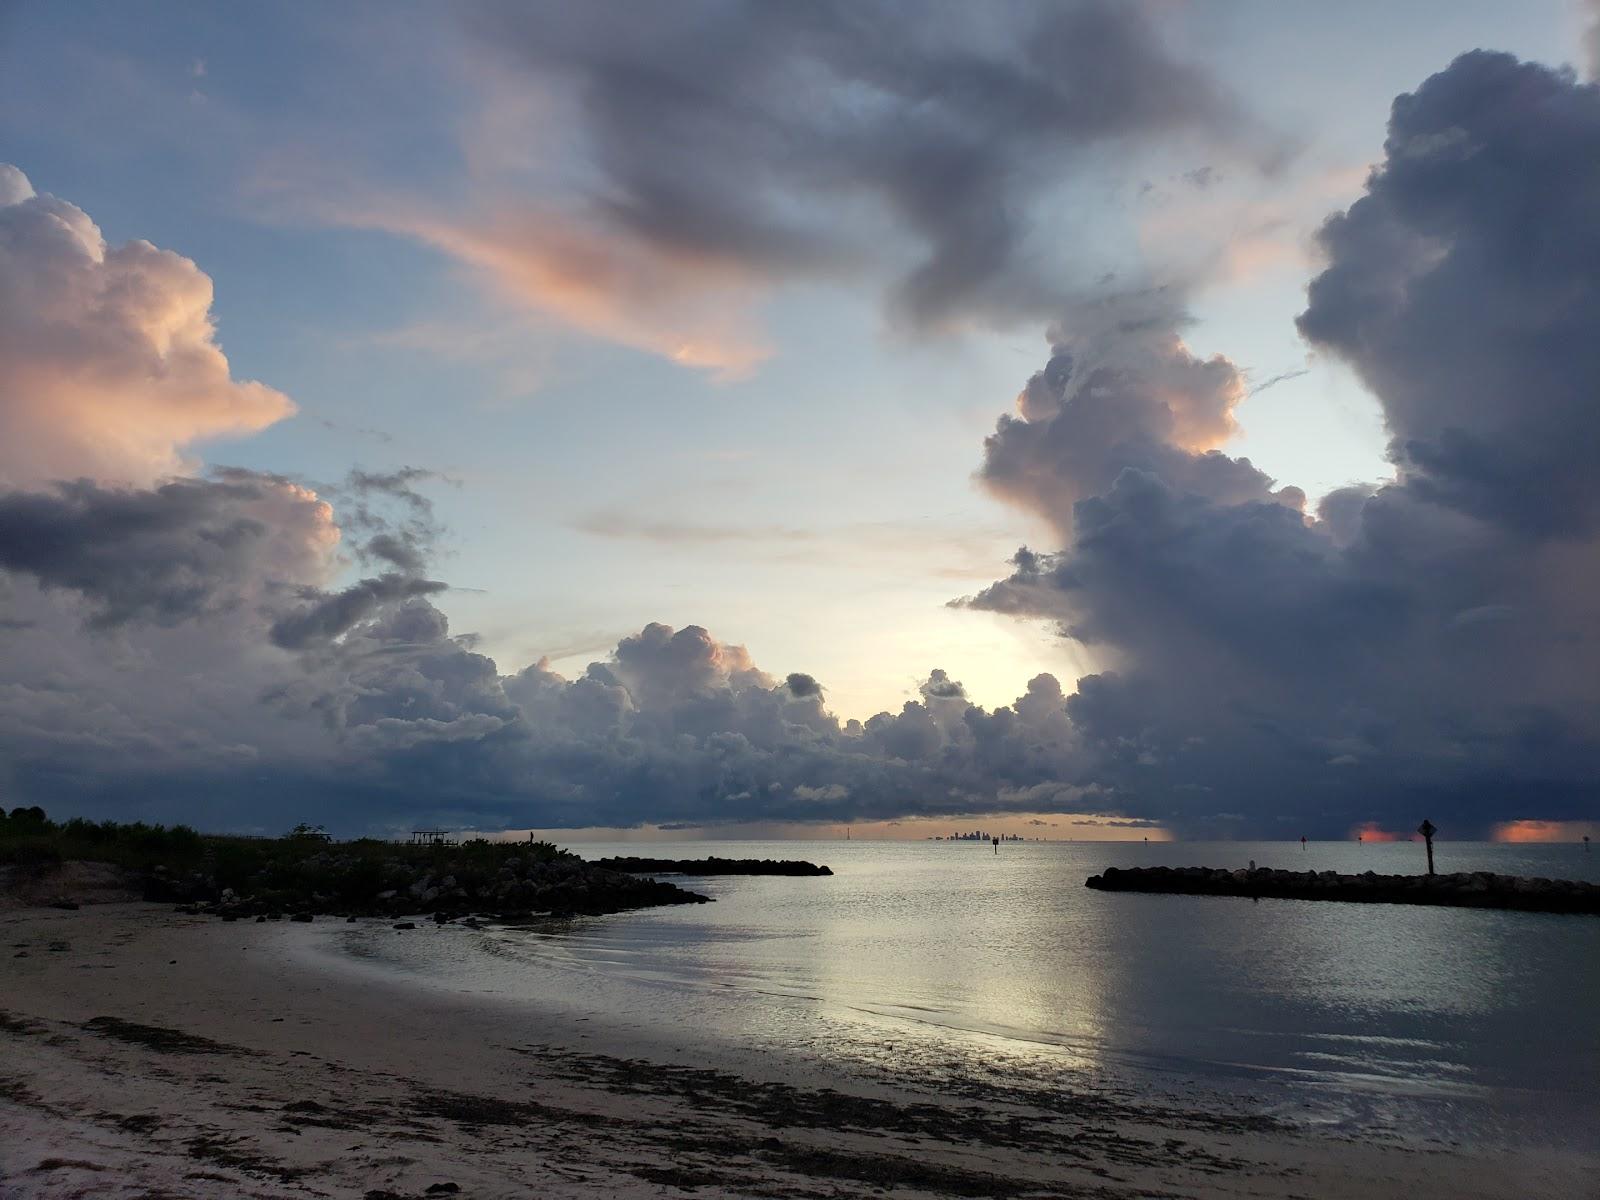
x: 148, y: 1053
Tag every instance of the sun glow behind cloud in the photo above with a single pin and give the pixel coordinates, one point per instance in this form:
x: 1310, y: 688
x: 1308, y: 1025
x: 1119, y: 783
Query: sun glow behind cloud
x: 1544, y: 831
x: 1371, y: 831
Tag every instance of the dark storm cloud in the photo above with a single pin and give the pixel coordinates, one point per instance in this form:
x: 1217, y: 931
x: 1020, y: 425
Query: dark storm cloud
x: 803, y: 685
x: 398, y: 517
x: 1426, y: 647
x: 1422, y: 646
x: 762, y: 137
x: 395, y: 550
x: 397, y: 483
x: 330, y: 615
x: 233, y: 674
x: 939, y: 686
x: 166, y: 554
x: 1462, y: 288
x: 673, y: 726
x: 227, y: 678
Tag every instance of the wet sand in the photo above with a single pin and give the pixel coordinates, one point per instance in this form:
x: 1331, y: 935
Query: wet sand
x: 145, y: 1053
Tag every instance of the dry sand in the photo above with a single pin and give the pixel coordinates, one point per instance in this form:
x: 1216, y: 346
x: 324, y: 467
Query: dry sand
x: 149, y: 1054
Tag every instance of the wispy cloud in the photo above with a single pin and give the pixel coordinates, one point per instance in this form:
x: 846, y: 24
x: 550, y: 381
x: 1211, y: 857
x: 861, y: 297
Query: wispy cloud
x: 957, y: 552
x: 613, y: 524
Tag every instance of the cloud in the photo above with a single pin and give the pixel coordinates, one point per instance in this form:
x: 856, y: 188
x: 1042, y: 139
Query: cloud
x: 610, y: 523
x: 1274, y: 380
x: 235, y: 693
x: 652, y: 178
x: 1121, y: 392
x: 186, y: 648
x: 1460, y: 288
x: 332, y: 614
x: 803, y: 685
x: 1419, y: 645
x: 169, y: 554
x: 693, y: 311
x: 1591, y: 39
x: 108, y: 363
x: 398, y: 519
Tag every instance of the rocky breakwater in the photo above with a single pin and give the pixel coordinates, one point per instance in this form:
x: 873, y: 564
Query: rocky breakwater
x: 502, y: 887
x: 712, y: 866
x: 1467, y: 889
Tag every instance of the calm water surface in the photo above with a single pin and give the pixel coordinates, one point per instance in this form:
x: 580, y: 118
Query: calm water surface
x: 937, y: 960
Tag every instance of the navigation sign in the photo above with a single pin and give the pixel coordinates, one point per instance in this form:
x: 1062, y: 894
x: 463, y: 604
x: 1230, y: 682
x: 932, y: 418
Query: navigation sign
x: 1427, y: 831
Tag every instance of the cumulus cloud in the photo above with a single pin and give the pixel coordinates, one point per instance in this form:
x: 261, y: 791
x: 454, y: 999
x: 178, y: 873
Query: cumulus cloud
x: 171, y: 553
x: 1267, y: 666
x: 1461, y: 288
x: 803, y: 685
x: 109, y: 366
x: 1126, y: 396
x: 1416, y: 646
x: 328, y: 616
x: 184, y: 648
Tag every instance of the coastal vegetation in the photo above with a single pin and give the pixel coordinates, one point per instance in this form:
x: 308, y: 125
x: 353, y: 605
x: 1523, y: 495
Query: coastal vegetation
x: 304, y: 873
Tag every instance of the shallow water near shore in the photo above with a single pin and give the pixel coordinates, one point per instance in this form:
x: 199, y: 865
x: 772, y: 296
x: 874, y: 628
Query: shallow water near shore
x: 940, y: 965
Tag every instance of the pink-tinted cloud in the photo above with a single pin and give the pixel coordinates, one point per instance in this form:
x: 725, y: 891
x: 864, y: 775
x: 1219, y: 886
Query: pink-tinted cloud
x: 1237, y: 230
x: 108, y: 363
x: 694, y: 309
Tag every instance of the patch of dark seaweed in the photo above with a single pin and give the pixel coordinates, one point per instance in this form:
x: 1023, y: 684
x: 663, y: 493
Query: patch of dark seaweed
x: 67, y: 1164
x: 893, y: 1171
x: 474, y: 1111
x: 160, y: 1038
x: 683, y: 1178
x: 17, y: 1092
x: 12, y: 1023
x: 1011, y: 1118
x: 233, y: 1152
x: 139, y: 1123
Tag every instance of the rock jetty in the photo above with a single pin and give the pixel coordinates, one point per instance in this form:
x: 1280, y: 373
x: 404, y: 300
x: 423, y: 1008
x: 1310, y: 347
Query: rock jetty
x: 1467, y: 889
x: 333, y: 883
x: 711, y: 866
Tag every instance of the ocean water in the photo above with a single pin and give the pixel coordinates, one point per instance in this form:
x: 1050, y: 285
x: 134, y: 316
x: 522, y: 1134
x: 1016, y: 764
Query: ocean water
x: 938, y: 963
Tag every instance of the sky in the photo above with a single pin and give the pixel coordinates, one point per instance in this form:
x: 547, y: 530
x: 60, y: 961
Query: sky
x: 755, y: 416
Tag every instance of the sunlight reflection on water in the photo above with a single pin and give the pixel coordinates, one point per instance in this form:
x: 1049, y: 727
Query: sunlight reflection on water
x: 942, y: 959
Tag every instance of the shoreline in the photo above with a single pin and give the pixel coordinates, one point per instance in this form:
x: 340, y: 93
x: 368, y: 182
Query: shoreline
x: 242, y: 1066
